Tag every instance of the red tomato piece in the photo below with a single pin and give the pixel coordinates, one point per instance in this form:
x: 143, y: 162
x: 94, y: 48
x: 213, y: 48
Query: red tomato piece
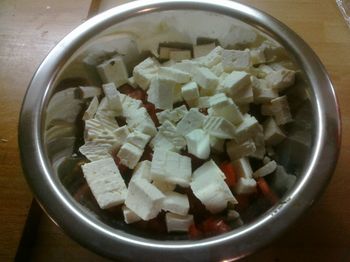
x: 231, y: 178
x: 215, y: 226
x: 194, y: 232
x: 266, y: 190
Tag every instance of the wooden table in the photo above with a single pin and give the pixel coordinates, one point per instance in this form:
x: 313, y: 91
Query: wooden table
x: 29, y: 29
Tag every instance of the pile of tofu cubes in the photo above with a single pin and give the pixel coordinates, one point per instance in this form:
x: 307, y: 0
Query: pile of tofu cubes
x: 220, y: 82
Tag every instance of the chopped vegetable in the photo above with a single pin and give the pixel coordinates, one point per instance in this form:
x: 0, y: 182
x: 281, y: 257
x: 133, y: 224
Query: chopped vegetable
x: 229, y: 171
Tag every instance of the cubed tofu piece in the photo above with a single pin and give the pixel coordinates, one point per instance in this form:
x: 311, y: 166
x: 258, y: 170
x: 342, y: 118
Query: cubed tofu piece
x: 198, y: 143
x: 144, y: 72
x: 235, y: 82
x: 113, y: 70
x: 202, y: 50
x: 131, y: 82
x: 235, y: 60
x: 140, y: 120
x: 92, y: 109
x: 257, y: 56
x: 245, y: 186
x: 129, y: 155
x: 244, y: 96
x: 164, y: 52
x: 218, y: 70
x: 142, y: 170
x: 177, y: 223
x: 105, y: 182
x: 238, y: 150
x: 230, y: 112
x: 174, y: 115
x: 171, y: 167
x: 272, y: 133
x: 89, y: 91
x: 129, y: 216
x: 138, y: 139
x: 248, y: 128
x: 176, y: 203
x: 190, y: 91
x: 262, y: 91
x: 144, y: 199
x: 179, y: 55
x: 209, y: 187
x: 169, y: 131
x: 259, y: 142
x: 94, y: 151
x: 243, y: 167
x: 281, y: 79
x: 281, y: 110
x: 113, y: 96
x: 161, y: 92
x: 164, y: 186
x: 206, y: 80
x: 191, y: 121
x: 121, y: 133
x: 203, y: 102
x: 219, y: 127
x: 188, y: 66
x: 162, y: 142
x: 213, y: 58
x: 265, y: 170
x: 218, y: 100
x: 174, y: 74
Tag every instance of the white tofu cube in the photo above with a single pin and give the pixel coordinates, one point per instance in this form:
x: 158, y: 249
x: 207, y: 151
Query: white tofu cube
x: 89, y: 91
x: 262, y: 92
x: 144, y: 199
x: 113, y: 96
x: 174, y: 115
x: 105, y: 182
x: 113, y: 70
x: 265, y: 170
x: 174, y: 74
x: 169, y: 131
x: 162, y: 142
x: 202, y: 50
x: 219, y: 127
x: 129, y: 216
x: 198, y: 143
x: 243, y: 167
x: 206, y: 80
x: 237, y: 150
x: 130, y: 105
x: 188, y: 66
x: 138, y: 139
x: 244, y: 96
x: 92, y: 109
x: 218, y: 70
x: 179, y: 55
x: 142, y: 170
x: 230, y: 112
x: 245, y: 186
x: 192, y: 120
x: 164, y: 186
x: 129, y: 155
x: 281, y: 79
x: 171, y: 167
x: 259, y: 142
x: 272, y: 133
x: 176, y: 203
x: 164, y: 52
x: 235, y: 82
x: 131, y: 82
x: 248, y: 128
x: 161, y: 92
x: 190, y: 91
x: 281, y: 111
x: 218, y: 100
x: 203, y: 102
x: 94, y: 151
x: 235, y: 60
x: 257, y: 56
x: 214, y: 57
x: 121, y: 133
x: 140, y: 120
x: 144, y: 72
x: 178, y: 223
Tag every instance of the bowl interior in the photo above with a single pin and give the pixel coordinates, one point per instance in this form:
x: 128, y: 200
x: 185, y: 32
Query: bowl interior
x: 137, y: 38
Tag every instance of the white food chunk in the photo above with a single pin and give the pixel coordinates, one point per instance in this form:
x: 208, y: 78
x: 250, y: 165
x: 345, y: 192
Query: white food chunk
x: 89, y: 91
x: 219, y: 127
x: 176, y: 222
x: 236, y: 150
x: 265, y: 170
x: 206, y: 80
x: 188, y: 66
x: 164, y: 52
x: 113, y: 70
x: 218, y: 100
x: 176, y: 203
x: 174, y: 74
x: 121, y: 133
x: 144, y: 199
x: 144, y: 72
x: 198, y: 143
x: 113, y: 96
x: 161, y: 92
x: 171, y: 167
x: 272, y: 133
x: 230, y: 112
x: 169, y: 131
x: 129, y: 155
x: 262, y: 91
x: 138, y: 139
x: 96, y: 150
x: 281, y: 111
x: 104, y: 111
x: 164, y: 186
x: 235, y: 82
x: 281, y: 79
x: 190, y: 91
x: 129, y: 105
x: 213, y: 58
x: 235, y: 60
x: 105, y: 182
x: 192, y: 120
x: 209, y: 187
x: 92, y: 109
x: 244, y: 96
x: 203, y: 102
x: 243, y: 168
x: 131, y: 82
x: 245, y: 186
x: 129, y: 216
x: 257, y: 56
x: 142, y: 170
x: 179, y: 55
x: 248, y: 128
x: 232, y: 215
x: 140, y: 120
x: 259, y: 142
x: 202, y: 50
x: 161, y: 141
x: 218, y: 70
x: 174, y: 115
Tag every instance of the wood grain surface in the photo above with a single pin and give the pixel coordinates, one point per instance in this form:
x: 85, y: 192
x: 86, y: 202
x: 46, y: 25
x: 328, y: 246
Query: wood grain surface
x: 28, y: 31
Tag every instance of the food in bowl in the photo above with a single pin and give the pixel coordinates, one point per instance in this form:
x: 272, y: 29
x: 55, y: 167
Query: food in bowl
x: 187, y: 141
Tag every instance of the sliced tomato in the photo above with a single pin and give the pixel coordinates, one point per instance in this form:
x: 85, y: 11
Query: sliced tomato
x: 229, y: 171
x: 215, y: 226
x: 266, y: 190
x: 194, y: 232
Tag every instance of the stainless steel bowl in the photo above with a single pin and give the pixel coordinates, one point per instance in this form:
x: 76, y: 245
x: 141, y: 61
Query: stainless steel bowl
x: 49, y: 132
